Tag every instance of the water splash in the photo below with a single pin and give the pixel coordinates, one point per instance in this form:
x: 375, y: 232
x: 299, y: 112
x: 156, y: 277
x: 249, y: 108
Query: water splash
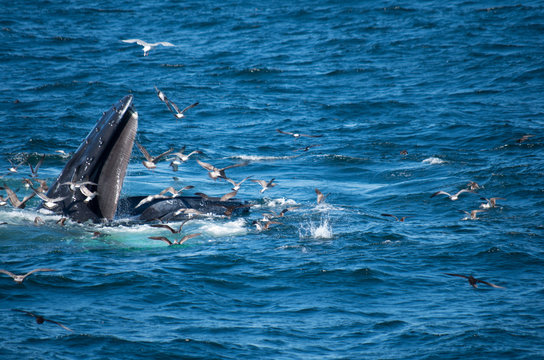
x: 321, y: 230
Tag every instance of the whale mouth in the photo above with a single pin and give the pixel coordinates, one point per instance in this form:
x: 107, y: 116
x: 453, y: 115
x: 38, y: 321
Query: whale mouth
x: 102, y: 159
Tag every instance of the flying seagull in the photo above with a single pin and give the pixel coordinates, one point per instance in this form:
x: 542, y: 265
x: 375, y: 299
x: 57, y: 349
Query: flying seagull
x: 147, y: 46
x: 452, y: 197
x: 150, y: 161
x: 20, y: 278
x: 296, y: 135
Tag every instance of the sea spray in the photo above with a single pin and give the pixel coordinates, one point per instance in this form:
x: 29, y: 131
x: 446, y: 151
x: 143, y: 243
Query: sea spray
x: 321, y: 230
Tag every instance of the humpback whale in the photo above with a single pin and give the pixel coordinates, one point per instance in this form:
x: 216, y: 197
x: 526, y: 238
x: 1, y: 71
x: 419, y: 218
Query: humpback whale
x: 101, y: 162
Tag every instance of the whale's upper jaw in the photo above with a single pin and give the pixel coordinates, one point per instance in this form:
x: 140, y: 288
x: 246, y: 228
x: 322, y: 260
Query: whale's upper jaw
x: 102, y: 158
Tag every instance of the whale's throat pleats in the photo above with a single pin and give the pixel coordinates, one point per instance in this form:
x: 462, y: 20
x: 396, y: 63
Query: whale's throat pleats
x: 113, y: 172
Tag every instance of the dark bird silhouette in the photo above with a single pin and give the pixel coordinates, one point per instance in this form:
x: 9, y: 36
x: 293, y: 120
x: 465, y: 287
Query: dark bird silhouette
x: 40, y: 319
x: 473, y: 281
x: 168, y: 227
x: 396, y: 218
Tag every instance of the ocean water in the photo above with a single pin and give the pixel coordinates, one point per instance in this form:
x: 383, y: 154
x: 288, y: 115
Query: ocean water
x: 454, y: 84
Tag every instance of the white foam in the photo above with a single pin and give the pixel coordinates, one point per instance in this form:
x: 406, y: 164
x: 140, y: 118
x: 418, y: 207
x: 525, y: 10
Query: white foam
x: 433, y: 161
x: 272, y: 203
x: 230, y: 228
x: 262, y: 158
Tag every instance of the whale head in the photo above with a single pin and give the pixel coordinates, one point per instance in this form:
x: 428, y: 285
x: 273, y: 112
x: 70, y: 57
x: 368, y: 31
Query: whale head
x: 101, y: 160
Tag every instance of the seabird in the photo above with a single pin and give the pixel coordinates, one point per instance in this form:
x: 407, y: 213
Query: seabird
x: 236, y: 186
x: 473, y: 185
x: 150, y: 161
x: 265, y: 185
x: 173, y: 231
x: 34, y: 170
x: 491, y: 202
x: 181, y: 158
x: 74, y: 185
x: 50, y: 203
x: 188, y: 211
x: 19, y: 204
x: 523, y: 138
x: 396, y: 218
x: 147, y: 46
x: 230, y: 209
x: 272, y: 214
x: 473, y: 281
x: 260, y: 226
x: 452, y: 197
x: 3, y: 201
x: 472, y: 214
x: 20, y: 278
x: 297, y: 135
x: 161, y: 195
x: 320, y: 196
x: 214, y: 172
x: 179, y: 114
x: 404, y: 152
x: 307, y: 147
x: 38, y: 221
x: 175, y: 242
x: 40, y: 319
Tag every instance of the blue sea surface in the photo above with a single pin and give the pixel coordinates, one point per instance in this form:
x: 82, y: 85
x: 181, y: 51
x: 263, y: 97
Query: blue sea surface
x: 453, y: 84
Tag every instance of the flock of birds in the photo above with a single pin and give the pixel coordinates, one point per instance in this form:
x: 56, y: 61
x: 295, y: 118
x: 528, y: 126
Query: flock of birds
x: 39, y: 188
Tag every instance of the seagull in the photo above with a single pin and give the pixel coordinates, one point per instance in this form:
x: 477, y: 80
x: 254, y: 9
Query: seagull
x: 161, y: 195
x: 452, y: 197
x: 265, y: 185
x: 150, y: 161
x: 163, y: 98
x: 40, y: 319
x: 396, y: 218
x: 88, y: 193
x: 473, y: 281
x: 404, y: 152
x: 50, y: 203
x: 62, y: 153
x: 229, y: 196
x: 19, y: 204
x: 74, y: 185
x: 43, y: 184
x: 236, y: 186
x: 523, y: 138
x: 38, y: 221
x: 175, y: 242
x: 173, y: 231
x: 230, y: 209
x: 61, y: 221
x: 180, y: 114
x: 147, y: 46
x: 296, y: 135
x: 472, y: 214
x: 14, y: 168
x: 34, y: 170
x: 20, y: 278
x: 214, y: 172
x: 320, y: 196
x: 307, y: 147
x: 473, y: 185
x: 181, y: 158
x: 3, y: 201
x: 491, y: 202
x: 263, y: 225
x: 272, y: 214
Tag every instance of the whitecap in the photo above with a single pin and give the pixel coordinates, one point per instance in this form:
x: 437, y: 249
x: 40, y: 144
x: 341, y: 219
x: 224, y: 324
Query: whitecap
x: 433, y: 161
